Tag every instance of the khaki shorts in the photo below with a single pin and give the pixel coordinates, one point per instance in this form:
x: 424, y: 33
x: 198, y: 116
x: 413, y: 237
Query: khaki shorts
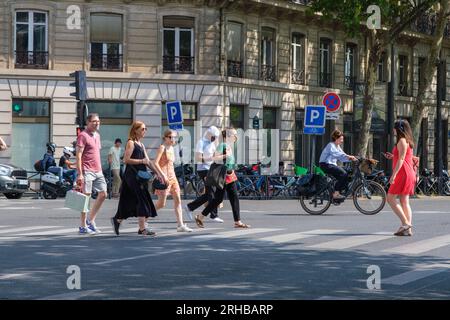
x: 94, y: 181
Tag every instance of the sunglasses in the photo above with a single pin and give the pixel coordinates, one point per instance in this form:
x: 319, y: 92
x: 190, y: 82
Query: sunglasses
x: 171, y: 137
x: 144, y: 129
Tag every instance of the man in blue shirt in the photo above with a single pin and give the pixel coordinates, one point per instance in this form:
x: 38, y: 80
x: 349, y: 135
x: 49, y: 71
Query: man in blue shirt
x: 328, y: 162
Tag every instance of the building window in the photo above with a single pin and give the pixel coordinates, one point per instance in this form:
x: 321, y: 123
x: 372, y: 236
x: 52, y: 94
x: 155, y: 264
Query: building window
x: 350, y: 64
x: 298, y: 58
x: 348, y: 134
x: 325, y: 63
x: 178, y: 45
x: 421, y: 71
x: 234, y: 50
x: 403, y: 75
x: 116, y: 118
x: 237, y: 117
x: 106, y: 42
x: 31, y: 39
x: 381, y: 68
x: 268, y: 68
x: 30, y: 131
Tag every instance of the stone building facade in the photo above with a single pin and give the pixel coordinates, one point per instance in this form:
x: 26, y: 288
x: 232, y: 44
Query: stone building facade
x: 227, y: 61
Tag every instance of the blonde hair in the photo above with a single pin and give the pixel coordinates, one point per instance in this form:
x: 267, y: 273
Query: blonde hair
x: 134, y: 127
x: 167, y: 133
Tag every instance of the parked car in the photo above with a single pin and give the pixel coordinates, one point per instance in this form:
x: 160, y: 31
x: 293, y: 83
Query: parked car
x: 13, y: 181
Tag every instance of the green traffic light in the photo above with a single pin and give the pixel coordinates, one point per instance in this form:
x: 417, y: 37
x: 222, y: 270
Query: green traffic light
x: 17, y: 108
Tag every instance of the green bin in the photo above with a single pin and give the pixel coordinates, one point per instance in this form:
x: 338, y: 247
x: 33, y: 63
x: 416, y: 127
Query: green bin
x: 300, y: 171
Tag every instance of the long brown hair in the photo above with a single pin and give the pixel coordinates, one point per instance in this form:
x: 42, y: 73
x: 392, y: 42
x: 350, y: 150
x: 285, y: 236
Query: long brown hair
x: 134, y: 127
x: 403, y: 130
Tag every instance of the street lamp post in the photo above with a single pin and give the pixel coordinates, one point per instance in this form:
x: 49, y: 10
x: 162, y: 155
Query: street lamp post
x: 391, y: 106
x: 440, y: 82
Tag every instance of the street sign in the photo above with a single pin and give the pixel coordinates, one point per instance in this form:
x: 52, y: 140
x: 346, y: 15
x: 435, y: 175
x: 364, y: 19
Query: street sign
x: 176, y: 127
x: 314, y: 116
x: 332, y: 116
x: 174, y: 112
x: 331, y: 101
x: 313, y: 130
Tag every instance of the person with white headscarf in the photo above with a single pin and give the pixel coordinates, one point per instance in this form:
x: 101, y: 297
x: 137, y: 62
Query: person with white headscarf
x: 204, y: 157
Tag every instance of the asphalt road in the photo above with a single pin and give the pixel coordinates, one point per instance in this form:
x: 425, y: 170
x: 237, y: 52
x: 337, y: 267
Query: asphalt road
x: 287, y: 254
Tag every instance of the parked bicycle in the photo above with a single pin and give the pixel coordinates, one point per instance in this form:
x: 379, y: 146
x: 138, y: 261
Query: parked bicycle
x: 369, y: 197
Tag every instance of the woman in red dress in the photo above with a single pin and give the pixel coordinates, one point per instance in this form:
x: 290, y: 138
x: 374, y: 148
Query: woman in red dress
x: 403, y: 179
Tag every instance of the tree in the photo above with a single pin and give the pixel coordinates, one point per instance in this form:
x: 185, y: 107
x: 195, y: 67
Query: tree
x: 396, y: 16
x: 442, y: 11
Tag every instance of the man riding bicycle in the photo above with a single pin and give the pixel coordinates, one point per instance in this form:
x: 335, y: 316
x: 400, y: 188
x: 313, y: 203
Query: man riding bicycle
x: 328, y: 162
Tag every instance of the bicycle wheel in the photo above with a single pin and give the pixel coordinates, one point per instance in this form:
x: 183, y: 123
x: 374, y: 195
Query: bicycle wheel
x: 318, y: 203
x: 369, y: 197
x: 447, y: 188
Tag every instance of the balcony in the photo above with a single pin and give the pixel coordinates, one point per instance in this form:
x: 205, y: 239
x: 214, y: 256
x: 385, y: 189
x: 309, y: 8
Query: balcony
x: 325, y: 80
x: 426, y: 23
x: 235, y: 69
x: 349, y: 82
x: 31, y: 59
x: 178, y: 64
x: 268, y: 72
x: 298, y: 76
x: 106, y: 62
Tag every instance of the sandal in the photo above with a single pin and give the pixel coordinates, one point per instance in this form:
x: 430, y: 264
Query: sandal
x: 242, y: 225
x: 404, y: 231
x: 147, y: 232
x: 199, y: 222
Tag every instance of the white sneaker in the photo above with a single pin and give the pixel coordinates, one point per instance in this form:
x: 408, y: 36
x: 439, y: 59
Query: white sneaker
x: 184, y: 228
x: 188, y: 213
x: 217, y: 219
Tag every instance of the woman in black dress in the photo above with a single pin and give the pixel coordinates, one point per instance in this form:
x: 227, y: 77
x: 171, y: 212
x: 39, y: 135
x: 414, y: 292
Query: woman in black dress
x: 135, y: 200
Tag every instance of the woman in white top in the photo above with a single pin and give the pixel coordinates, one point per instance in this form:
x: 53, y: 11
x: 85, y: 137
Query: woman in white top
x: 328, y: 162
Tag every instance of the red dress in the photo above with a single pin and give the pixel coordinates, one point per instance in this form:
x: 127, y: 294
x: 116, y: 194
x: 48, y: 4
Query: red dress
x: 405, y: 181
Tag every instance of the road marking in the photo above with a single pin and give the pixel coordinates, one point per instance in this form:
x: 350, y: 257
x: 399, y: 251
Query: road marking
x: 136, y: 257
x: 21, y: 208
x: 429, y: 212
x: 72, y: 295
x: 282, y: 238
x: 27, y: 229
x: 352, y: 241
x: 230, y: 234
x: 420, y: 272
x: 421, y: 246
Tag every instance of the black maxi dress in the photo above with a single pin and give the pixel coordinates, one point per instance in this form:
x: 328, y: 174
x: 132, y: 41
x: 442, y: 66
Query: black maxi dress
x: 135, y: 200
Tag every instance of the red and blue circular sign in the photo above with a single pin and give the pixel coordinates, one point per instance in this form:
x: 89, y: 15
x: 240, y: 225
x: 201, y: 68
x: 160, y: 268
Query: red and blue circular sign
x: 331, y: 101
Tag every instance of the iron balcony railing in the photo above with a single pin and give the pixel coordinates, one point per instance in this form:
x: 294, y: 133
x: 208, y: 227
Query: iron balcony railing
x: 325, y: 79
x: 268, y: 72
x: 106, y: 62
x: 403, y: 89
x: 178, y: 64
x: 426, y: 23
x: 298, y: 76
x: 31, y: 59
x: 235, y: 69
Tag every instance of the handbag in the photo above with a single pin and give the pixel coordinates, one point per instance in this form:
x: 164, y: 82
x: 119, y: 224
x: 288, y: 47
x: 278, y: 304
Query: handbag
x: 142, y: 176
x: 158, y: 185
x: 216, y: 173
x: 77, y: 201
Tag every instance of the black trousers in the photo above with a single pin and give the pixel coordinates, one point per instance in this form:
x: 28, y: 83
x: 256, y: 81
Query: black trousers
x: 232, y: 193
x: 204, y: 198
x: 337, y: 172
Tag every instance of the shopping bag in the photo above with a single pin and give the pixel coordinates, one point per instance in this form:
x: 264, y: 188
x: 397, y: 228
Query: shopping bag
x: 77, y: 201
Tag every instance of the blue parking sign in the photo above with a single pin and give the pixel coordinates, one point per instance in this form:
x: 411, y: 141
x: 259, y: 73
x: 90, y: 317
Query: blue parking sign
x: 174, y: 112
x: 315, y: 116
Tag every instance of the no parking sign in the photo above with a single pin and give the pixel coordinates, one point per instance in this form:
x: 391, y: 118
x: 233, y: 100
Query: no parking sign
x: 332, y: 102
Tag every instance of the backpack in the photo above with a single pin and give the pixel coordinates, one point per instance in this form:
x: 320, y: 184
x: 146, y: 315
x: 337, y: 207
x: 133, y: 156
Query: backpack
x: 38, y: 166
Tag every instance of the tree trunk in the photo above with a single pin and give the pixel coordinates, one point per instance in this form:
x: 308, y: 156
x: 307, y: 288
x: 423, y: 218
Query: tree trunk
x: 430, y: 69
x: 369, y: 96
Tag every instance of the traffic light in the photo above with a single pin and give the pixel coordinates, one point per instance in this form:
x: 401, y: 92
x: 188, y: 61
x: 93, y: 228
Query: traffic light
x: 82, y: 113
x: 17, y: 108
x: 80, y: 85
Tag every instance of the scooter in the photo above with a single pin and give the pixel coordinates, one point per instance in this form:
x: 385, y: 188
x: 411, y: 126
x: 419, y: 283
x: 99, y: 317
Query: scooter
x: 54, y: 184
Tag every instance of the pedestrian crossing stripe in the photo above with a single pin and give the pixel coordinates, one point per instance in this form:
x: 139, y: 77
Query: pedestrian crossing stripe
x: 289, y: 237
x: 26, y: 229
x: 422, y: 246
x: 420, y: 272
x: 352, y: 241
